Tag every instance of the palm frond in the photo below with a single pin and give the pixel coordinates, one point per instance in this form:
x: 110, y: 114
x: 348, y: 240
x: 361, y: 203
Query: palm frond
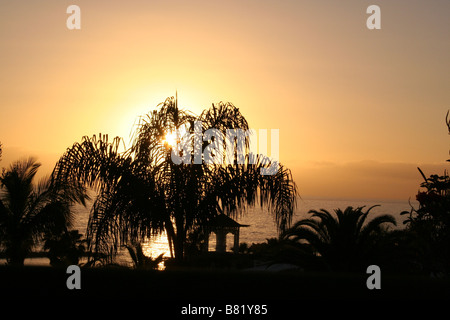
x: 344, y: 240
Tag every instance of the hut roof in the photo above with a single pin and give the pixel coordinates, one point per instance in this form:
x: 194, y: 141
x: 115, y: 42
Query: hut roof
x: 223, y: 221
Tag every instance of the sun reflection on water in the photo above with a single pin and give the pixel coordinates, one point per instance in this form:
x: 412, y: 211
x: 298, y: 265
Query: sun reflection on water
x: 159, y: 244
x: 155, y: 246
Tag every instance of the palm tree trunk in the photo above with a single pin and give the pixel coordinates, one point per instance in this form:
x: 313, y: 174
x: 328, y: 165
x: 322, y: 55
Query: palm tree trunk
x: 170, y: 241
x: 180, y: 240
x: 170, y: 236
x: 173, y: 239
x: 179, y: 248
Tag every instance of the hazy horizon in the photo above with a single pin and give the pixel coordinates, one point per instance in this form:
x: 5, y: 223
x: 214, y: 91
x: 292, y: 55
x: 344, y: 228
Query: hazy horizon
x: 358, y: 110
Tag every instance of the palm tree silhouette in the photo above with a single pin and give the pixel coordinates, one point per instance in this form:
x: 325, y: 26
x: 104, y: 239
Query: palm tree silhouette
x: 28, y: 212
x: 343, y: 242
x: 141, y: 261
x: 143, y: 192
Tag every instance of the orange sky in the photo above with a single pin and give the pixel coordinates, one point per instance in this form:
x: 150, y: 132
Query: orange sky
x: 357, y: 109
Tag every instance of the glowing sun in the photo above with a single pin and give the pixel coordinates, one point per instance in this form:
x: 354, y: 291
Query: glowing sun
x: 170, y: 139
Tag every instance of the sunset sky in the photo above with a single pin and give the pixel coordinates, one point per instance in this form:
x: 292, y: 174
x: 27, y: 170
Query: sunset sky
x: 358, y: 110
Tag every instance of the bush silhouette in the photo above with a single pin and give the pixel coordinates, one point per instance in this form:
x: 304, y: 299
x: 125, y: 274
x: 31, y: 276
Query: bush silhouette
x: 339, y: 242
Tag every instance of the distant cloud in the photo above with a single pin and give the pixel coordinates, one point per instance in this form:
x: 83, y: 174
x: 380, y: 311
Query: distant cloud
x: 363, y: 179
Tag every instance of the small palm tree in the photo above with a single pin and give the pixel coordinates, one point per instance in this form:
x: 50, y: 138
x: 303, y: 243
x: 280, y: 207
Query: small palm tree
x: 344, y: 242
x: 29, y: 212
x: 140, y: 260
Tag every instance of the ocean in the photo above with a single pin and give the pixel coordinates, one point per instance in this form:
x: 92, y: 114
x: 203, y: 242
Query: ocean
x: 261, y: 224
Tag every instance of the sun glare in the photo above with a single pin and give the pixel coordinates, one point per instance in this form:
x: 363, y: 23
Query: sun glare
x: 170, y: 139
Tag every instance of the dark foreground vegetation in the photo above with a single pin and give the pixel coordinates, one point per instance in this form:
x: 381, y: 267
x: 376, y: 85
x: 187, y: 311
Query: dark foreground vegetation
x: 213, y: 285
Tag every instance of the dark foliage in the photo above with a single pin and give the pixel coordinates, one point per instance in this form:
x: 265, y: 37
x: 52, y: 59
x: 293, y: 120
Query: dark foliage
x: 65, y: 249
x: 339, y: 242
x: 429, y: 224
x: 28, y: 212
